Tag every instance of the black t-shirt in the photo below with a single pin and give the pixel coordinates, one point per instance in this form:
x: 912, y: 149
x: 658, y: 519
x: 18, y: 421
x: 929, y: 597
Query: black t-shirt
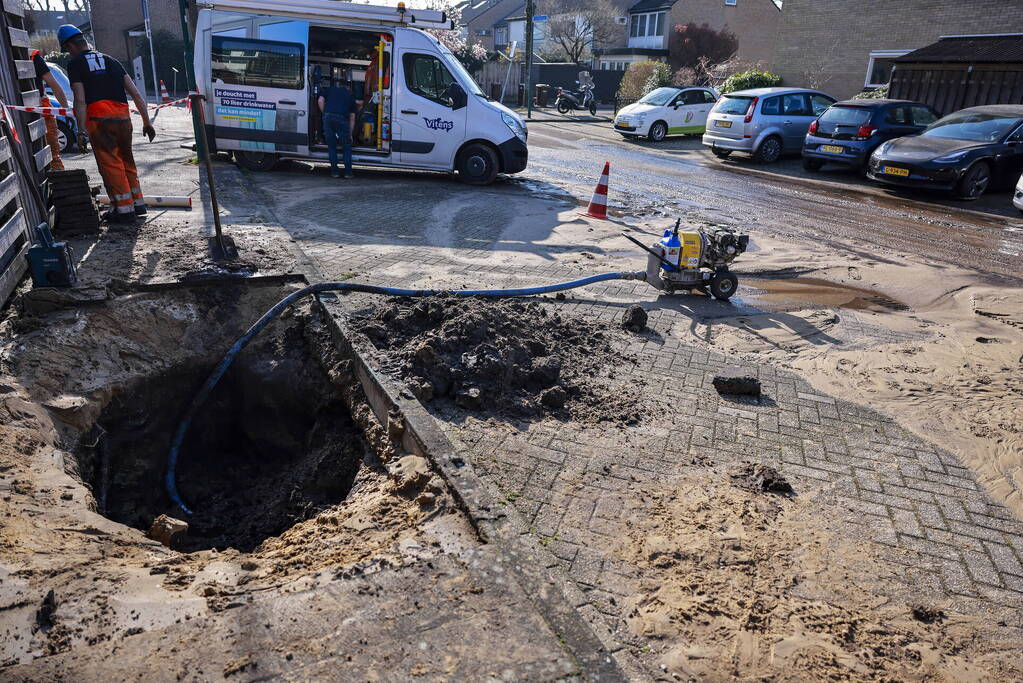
x: 41, y: 70
x: 102, y: 76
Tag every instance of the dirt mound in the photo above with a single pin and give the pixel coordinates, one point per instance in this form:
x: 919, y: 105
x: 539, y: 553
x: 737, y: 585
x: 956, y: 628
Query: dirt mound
x: 505, y: 358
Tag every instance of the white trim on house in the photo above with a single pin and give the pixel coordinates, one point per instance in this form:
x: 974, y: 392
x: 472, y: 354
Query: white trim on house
x: 880, y: 54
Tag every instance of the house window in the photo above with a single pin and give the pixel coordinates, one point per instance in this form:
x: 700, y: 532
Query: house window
x: 879, y: 68
x: 730, y: 2
x: 647, y: 25
x: 501, y: 35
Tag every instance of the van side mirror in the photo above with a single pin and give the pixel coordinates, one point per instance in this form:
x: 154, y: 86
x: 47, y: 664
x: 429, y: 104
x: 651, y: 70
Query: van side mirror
x: 458, y: 97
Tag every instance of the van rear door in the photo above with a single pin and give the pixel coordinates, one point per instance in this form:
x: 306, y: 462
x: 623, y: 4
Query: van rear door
x: 260, y: 94
x: 429, y: 130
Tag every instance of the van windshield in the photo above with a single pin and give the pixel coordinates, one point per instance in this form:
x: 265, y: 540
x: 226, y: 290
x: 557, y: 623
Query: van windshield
x: 731, y: 104
x: 464, y: 77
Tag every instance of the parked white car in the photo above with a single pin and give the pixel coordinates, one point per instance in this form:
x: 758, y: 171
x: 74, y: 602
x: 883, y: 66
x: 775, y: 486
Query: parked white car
x: 1017, y: 197
x: 667, y: 111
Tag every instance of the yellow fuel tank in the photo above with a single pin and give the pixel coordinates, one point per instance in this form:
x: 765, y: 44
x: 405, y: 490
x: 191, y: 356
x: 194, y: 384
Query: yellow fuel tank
x: 692, y: 249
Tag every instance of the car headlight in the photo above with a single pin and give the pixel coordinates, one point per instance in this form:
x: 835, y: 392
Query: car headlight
x: 516, y: 125
x: 882, y: 149
x: 951, y: 158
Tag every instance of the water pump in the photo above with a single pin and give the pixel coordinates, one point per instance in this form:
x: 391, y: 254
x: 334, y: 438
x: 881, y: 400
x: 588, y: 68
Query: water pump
x: 696, y: 259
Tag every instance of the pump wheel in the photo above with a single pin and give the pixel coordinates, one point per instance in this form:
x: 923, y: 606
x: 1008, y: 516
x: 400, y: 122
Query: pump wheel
x: 723, y: 285
x: 477, y: 165
x: 255, y: 161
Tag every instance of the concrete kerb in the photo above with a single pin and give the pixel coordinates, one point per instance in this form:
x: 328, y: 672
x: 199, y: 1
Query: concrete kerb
x: 556, y: 598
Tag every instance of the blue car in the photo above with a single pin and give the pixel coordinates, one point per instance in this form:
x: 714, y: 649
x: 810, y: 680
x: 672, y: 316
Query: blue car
x: 849, y: 132
x: 67, y: 127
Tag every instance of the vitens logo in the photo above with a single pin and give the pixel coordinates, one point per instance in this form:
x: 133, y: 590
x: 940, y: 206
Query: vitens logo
x: 439, y: 124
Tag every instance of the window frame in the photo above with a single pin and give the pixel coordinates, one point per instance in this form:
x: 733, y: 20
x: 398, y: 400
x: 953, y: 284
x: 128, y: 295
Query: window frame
x: 880, y: 54
x: 409, y: 73
x: 652, y: 22
x: 260, y: 41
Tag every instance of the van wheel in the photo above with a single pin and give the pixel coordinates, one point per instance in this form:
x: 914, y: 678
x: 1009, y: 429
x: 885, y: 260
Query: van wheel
x: 255, y: 161
x: 769, y: 151
x: 658, y: 131
x: 477, y: 165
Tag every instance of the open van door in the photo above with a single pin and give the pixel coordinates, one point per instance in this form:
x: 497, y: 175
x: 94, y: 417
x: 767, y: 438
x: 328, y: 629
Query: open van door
x: 259, y: 93
x: 431, y: 111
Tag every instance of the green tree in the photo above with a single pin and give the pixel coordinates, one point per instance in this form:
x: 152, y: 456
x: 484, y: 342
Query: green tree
x: 750, y: 79
x: 634, y: 80
x: 660, y: 76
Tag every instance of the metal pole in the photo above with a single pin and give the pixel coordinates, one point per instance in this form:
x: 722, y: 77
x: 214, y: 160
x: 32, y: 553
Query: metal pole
x: 196, y: 101
x: 152, y: 49
x: 198, y: 124
x: 530, y: 11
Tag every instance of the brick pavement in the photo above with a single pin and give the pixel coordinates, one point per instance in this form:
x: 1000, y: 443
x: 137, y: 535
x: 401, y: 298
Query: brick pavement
x: 572, y: 484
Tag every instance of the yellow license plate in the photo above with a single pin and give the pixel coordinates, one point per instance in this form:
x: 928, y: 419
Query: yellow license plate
x: 832, y: 149
x: 723, y: 124
x: 624, y: 126
x: 890, y: 170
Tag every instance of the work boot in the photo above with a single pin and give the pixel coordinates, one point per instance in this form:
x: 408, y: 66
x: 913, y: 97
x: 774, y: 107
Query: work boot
x: 141, y: 210
x: 113, y: 217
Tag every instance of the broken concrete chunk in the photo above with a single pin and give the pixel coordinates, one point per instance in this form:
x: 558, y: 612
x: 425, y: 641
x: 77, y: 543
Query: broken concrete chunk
x: 469, y: 398
x: 168, y: 531
x: 734, y: 385
x: 554, y: 398
x: 634, y: 319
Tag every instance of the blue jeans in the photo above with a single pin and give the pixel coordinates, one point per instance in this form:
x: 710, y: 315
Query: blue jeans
x: 336, y: 129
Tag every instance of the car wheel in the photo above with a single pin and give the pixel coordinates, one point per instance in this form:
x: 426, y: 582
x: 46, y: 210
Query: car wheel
x: 564, y: 107
x: 477, y: 165
x: 255, y: 161
x: 64, y: 137
x: 658, y: 131
x: 974, y: 182
x: 769, y: 150
x: 811, y: 164
x: 721, y: 153
x: 723, y: 285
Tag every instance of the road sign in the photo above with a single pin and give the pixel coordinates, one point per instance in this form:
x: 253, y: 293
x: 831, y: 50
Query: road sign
x: 542, y: 17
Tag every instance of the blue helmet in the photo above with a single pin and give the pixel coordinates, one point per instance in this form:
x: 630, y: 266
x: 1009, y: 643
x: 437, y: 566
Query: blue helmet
x: 66, y: 33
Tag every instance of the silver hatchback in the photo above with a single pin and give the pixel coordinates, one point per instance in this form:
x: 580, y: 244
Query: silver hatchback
x: 763, y: 122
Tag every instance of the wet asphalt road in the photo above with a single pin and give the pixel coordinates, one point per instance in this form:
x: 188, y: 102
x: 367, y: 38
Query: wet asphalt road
x: 679, y: 177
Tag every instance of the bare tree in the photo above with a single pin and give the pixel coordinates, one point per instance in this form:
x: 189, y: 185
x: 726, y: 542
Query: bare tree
x: 819, y: 69
x: 578, y: 26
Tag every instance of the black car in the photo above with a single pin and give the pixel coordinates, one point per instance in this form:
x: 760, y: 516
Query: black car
x: 849, y: 132
x: 966, y: 152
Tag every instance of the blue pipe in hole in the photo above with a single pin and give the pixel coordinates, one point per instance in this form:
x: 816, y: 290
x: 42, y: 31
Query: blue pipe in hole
x: 280, y: 306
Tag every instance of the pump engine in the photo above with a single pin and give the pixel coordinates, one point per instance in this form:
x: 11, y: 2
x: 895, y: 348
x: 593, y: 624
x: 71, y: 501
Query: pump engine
x: 696, y: 260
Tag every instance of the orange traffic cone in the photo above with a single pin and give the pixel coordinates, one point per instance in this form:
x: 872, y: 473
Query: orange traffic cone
x: 164, y: 96
x: 598, y: 205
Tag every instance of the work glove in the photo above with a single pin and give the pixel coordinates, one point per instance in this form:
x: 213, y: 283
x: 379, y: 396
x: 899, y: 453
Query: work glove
x: 83, y: 142
x: 149, y: 131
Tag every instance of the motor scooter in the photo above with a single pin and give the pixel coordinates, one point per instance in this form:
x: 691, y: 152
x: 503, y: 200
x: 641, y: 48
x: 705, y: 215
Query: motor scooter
x: 567, y: 101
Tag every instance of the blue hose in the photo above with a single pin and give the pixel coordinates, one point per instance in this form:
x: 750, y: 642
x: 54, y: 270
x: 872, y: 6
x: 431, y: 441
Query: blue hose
x: 280, y: 306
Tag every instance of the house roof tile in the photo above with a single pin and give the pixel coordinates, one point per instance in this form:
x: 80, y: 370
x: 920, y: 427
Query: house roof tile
x: 1000, y: 49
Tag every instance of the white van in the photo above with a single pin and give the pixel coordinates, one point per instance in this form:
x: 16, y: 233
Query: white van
x: 261, y: 63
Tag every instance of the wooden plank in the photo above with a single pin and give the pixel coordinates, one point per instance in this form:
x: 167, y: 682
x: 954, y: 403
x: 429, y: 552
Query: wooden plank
x: 30, y: 98
x: 10, y: 278
x: 8, y: 190
x: 15, y: 7
x: 12, y: 229
x: 5, y: 150
x: 43, y: 157
x: 25, y: 68
x: 37, y: 129
x: 19, y: 38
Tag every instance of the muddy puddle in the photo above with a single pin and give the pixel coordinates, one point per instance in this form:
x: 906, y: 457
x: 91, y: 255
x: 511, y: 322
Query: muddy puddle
x: 794, y: 294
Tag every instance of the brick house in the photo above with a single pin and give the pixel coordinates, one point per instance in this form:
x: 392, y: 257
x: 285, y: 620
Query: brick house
x: 484, y: 21
x: 114, y: 20
x: 754, y: 22
x: 843, y: 48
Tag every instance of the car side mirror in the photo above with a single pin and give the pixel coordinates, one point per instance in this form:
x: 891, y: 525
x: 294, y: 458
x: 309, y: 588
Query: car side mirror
x: 458, y: 97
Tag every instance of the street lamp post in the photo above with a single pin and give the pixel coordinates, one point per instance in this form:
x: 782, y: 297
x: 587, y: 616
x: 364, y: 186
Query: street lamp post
x: 530, y: 11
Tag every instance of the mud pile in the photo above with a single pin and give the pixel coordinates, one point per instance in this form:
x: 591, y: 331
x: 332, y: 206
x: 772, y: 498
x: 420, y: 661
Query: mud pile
x: 503, y: 358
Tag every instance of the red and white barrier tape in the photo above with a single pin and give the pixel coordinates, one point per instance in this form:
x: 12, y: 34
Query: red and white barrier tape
x: 45, y: 111
x: 161, y: 106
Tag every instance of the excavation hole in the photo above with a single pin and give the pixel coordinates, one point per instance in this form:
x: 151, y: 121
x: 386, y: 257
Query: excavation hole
x: 272, y: 447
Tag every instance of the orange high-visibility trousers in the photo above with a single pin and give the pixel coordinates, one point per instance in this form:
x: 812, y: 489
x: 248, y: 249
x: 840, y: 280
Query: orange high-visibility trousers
x: 111, y: 143
x: 51, y: 136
